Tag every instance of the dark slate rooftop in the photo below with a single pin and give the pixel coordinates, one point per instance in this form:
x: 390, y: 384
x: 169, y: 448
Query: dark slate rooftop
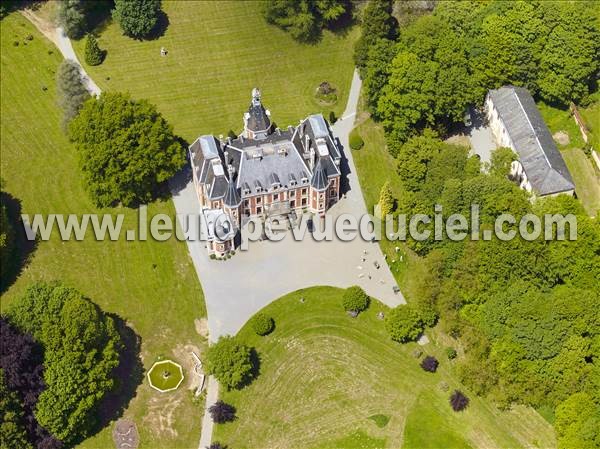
x: 545, y: 168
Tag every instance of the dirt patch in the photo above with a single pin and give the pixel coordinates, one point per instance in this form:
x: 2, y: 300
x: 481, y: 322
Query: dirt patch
x: 561, y: 137
x: 183, y: 355
x: 458, y: 139
x: 201, y: 325
x: 160, y: 416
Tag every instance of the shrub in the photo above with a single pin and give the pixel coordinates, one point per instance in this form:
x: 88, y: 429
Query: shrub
x: 356, y: 142
x: 355, y: 299
x: 332, y: 117
x: 386, y: 200
x: 220, y: 412
x: 216, y: 445
x: 458, y: 401
x: 70, y: 90
x: 230, y: 362
x: 429, y: 364
x: 451, y: 353
x: 127, y: 149
x: 137, y: 18
x: 403, y: 324
x: 262, y: 324
x: 93, y: 54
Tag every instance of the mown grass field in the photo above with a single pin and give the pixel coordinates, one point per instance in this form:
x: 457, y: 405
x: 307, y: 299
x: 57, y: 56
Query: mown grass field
x: 323, y: 374
x: 585, y: 175
x: 152, y: 285
x: 217, y: 52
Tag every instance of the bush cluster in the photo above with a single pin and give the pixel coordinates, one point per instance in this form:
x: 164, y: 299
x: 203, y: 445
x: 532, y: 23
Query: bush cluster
x: 404, y: 323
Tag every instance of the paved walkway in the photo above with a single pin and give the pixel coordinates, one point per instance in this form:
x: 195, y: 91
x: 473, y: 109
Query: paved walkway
x: 58, y: 37
x: 237, y: 288
x: 480, y: 135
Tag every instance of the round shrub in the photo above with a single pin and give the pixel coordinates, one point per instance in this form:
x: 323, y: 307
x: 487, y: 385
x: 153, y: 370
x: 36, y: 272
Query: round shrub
x: 429, y: 364
x: 403, y: 324
x: 451, y: 353
x: 262, y: 324
x: 356, y: 142
x: 221, y: 412
x: 355, y: 299
x: 458, y: 401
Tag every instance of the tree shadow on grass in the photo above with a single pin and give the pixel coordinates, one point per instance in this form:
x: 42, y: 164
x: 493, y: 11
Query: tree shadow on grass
x: 255, y: 371
x: 23, y: 248
x: 129, y: 375
x: 162, y: 23
x: 343, y: 24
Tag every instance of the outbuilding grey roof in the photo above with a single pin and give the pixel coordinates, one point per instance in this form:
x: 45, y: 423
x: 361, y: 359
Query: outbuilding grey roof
x: 543, y: 164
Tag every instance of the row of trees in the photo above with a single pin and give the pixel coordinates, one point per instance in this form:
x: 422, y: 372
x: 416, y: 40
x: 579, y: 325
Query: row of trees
x: 442, y: 62
x: 59, y: 355
x: 137, y: 18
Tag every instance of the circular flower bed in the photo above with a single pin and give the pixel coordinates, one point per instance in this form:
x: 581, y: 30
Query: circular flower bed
x: 165, y: 375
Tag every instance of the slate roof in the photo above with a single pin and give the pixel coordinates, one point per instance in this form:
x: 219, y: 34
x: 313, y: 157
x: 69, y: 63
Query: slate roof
x: 319, y: 178
x: 243, y: 167
x: 543, y: 164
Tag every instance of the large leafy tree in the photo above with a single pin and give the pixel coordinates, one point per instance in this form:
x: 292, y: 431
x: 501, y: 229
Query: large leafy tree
x: 578, y: 423
x: 137, y: 18
x: 403, y: 323
x: 81, y: 352
x: 304, y: 19
x: 230, y: 362
x: 126, y: 149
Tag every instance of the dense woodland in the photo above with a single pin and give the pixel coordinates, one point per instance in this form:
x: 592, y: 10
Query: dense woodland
x: 525, y: 312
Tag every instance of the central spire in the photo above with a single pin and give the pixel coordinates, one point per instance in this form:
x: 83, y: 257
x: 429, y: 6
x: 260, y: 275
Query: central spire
x: 257, y: 121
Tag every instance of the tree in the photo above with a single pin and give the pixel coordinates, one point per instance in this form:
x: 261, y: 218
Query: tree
x: 230, y: 362
x: 429, y: 364
x: 21, y: 362
x: 220, y: 412
x: 403, y: 324
x: 501, y: 160
x: 71, y: 90
x: 458, y: 401
x: 93, y: 54
x: 304, y: 19
x: 577, y: 423
x: 81, y: 352
x: 71, y: 17
x: 262, y: 324
x: 414, y: 157
x: 355, y: 299
x: 377, y: 23
x: 12, y: 419
x: 386, y: 200
x: 137, y: 18
x: 126, y: 148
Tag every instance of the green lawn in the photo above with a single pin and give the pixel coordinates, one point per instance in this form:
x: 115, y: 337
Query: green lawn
x: 375, y: 166
x: 587, y: 181
x: 150, y: 284
x: 324, y: 375
x: 219, y: 51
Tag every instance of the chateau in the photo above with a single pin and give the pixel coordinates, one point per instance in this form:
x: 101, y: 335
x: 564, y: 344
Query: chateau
x: 264, y: 172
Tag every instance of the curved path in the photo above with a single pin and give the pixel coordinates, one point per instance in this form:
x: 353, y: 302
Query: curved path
x: 236, y: 289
